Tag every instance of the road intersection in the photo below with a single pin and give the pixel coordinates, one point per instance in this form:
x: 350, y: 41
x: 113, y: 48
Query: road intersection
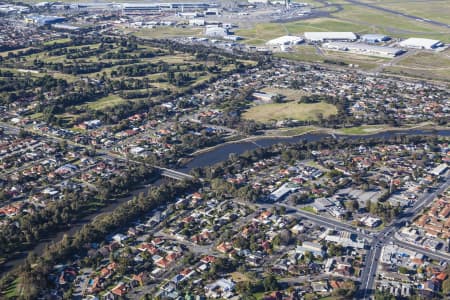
x: 378, y: 238
x: 387, y: 235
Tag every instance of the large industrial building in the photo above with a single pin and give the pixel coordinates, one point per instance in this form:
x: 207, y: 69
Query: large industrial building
x: 216, y: 31
x: 374, y: 38
x: 421, y: 43
x: 330, y: 36
x: 13, y: 9
x: 143, y: 8
x: 286, y: 40
x: 44, y: 20
x: 361, y: 48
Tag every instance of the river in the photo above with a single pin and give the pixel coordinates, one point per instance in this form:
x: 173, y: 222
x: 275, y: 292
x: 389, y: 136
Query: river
x: 215, y: 155
x: 222, y: 152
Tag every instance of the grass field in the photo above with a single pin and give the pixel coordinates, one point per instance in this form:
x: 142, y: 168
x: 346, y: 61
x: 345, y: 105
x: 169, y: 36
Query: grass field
x: 368, y: 129
x: 362, y: 61
x: 292, y: 131
x: 108, y: 101
x: 59, y: 41
x: 308, y: 209
x: 261, y: 33
x: 324, y: 24
x: 174, y: 59
x: 308, y: 53
x: 11, y: 291
x: 238, y: 277
x: 386, y: 23
x: 302, y: 53
x: 178, y: 61
x: 290, y: 110
x: 441, y: 75
x: 438, y: 10
x: 362, y: 20
x: 424, y: 65
x: 427, y: 60
x: 167, y: 31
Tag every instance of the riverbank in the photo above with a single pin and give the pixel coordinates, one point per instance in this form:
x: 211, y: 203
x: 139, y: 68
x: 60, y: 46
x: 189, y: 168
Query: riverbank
x: 72, y: 228
x: 218, y: 153
x: 294, y: 132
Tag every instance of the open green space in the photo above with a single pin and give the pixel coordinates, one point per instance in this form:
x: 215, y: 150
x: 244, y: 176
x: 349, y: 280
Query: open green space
x: 309, y: 209
x: 130, y: 73
x: 302, y: 53
x: 361, y: 61
x: 11, y: 292
x: 324, y: 24
x: 58, y: 41
x: 174, y: 59
x: 371, y: 129
x: 310, y: 54
x: 382, y: 22
x: 5, y: 53
x: 427, y: 60
x: 430, y: 74
x: 367, y: 129
x: 261, y: 33
x: 361, y: 20
x: 292, y: 131
x: 289, y: 110
x: 102, y: 103
x: 437, y: 10
x: 167, y: 31
x: 429, y: 65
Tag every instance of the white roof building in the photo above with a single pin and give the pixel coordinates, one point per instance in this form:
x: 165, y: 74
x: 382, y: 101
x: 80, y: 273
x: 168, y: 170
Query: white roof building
x: 420, y: 43
x: 119, y: 237
x: 370, y: 221
x: 361, y: 48
x: 285, y: 40
x: 346, y: 239
x: 330, y: 36
x: 216, y: 31
x: 374, y: 38
x: 283, y: 191
x: 197, y: 22
x: 315, y: 248
x: 439, y: 170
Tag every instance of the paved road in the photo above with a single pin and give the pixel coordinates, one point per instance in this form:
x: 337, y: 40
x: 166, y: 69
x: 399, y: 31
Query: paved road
x: 324, y: 221
x: 174, y: 174
x: 317, y: 219
x: 393, y: 61
x: 429, y: 253
x: 436, y: 23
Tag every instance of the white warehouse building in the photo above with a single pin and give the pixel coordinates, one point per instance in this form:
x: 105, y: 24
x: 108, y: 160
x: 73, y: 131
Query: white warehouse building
x: 285, y: 40
x: 216, y: 31
x: 330, y: 36
x: 361, y: 48
x: 421, y: 43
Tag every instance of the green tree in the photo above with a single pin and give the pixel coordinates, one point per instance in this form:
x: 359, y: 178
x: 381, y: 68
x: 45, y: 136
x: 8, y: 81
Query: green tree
x: 270, y: 283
